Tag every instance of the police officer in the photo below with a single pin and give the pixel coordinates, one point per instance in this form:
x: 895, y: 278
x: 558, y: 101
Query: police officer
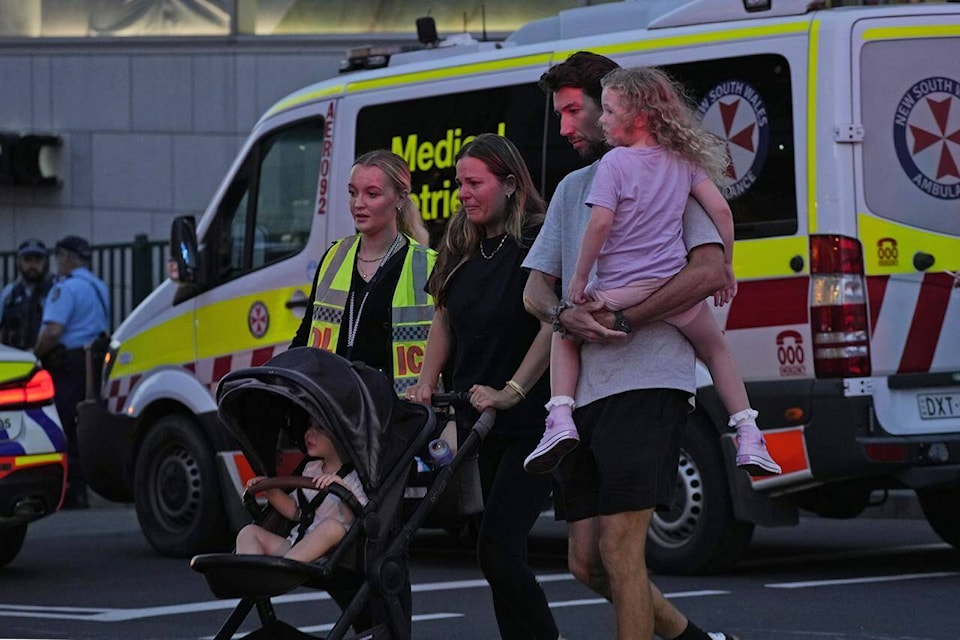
x: 76, y: 313
x: 21, y: 301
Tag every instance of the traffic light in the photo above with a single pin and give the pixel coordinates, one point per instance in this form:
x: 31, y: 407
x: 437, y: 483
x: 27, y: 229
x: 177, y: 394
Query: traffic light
x: 29, y: 160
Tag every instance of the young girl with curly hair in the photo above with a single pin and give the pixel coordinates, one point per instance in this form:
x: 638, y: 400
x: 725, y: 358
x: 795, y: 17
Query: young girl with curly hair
x: 661, y: 155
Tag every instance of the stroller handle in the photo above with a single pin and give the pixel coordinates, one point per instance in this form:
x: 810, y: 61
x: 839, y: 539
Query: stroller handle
x: 450, y: 399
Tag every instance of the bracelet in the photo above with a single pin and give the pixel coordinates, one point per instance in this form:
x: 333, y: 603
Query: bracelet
x: 555, y: 312
x: 513, y: 384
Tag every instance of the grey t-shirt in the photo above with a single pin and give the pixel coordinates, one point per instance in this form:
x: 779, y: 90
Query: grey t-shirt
x: 654, y: 356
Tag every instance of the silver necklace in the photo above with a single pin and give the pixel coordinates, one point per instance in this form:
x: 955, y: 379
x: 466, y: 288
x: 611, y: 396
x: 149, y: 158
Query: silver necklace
x: 489, y: 257
x: 353, y: 322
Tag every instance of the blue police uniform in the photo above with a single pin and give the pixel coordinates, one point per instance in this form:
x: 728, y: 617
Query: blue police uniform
x: 79, y: 302
x: 21, y: 310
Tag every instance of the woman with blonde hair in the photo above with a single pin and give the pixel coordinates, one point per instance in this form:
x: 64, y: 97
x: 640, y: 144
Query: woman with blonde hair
x: 498, y: 352
x: 368, y: 301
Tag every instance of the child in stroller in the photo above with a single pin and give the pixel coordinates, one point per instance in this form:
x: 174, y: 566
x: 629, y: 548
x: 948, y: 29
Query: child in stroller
x: 381, y: 435
x: 319, y: 528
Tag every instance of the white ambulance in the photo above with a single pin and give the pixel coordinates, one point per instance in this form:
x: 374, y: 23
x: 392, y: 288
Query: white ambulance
x: 843, y: 127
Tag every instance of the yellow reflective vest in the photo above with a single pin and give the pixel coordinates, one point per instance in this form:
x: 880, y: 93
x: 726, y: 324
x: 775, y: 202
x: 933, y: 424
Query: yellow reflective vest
x: 412, y: 309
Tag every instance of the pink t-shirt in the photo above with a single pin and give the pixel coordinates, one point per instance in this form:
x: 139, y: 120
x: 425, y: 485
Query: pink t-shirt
x: 647, y: 190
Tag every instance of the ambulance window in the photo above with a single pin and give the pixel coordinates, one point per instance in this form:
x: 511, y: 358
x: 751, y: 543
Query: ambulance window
x: 910, y: 97
x: 429, y: 131
x: 267, y: 212
x: 286, y: 193
x: 746, y: 101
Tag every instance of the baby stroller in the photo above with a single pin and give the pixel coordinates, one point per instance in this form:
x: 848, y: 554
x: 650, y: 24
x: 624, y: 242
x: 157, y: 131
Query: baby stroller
x: 366, y: 574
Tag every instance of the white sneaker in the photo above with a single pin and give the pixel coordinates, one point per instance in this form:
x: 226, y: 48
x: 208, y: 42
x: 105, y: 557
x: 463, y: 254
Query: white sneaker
x: 720, y: 635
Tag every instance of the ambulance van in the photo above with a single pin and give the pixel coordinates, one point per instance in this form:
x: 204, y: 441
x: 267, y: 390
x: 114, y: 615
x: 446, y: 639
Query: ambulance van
x: 843, y: 130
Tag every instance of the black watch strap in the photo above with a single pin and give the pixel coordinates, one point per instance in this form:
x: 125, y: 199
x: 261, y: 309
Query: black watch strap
x: 620, y: 322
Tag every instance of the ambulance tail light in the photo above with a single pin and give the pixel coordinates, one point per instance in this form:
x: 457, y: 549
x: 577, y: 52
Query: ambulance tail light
x: 38, y: 389
x: 838, y: 308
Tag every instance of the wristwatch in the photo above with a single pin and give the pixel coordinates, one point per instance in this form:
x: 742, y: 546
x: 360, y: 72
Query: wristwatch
x: 620, y: 322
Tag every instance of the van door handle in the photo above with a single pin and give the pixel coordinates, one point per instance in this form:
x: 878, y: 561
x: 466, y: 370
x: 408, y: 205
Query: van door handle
x: 298, y: 300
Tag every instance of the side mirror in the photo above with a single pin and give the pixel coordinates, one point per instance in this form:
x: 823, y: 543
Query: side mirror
x: 184, y: 262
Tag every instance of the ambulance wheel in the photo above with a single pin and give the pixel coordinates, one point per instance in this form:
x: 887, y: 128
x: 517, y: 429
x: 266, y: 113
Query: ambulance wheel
x: 699, y: 533
x: 11, y: 540
x: 177, y: 493
x: 941, y: 506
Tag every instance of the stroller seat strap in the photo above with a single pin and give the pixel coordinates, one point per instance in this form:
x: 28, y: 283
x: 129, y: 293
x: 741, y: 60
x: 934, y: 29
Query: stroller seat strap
x: 308, y: 508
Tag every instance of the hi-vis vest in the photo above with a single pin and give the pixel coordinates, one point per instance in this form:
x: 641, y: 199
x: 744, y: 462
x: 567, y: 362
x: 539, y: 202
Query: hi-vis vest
x: 412, y: 306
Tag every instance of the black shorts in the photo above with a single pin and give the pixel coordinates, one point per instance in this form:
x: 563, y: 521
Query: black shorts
x: 628, y: 454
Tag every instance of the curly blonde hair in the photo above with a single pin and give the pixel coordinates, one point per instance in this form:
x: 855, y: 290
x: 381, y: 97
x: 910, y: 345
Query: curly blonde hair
x: 650, y: 92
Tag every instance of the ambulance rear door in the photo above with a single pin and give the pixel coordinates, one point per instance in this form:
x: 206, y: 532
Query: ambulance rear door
x: 906, y: 90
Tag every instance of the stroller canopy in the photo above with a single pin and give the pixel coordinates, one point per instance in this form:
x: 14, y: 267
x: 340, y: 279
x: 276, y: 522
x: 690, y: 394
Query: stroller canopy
x: 351, y: 400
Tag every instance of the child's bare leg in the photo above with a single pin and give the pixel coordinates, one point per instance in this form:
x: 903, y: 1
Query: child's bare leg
x: 255, y: 540
x: 560, y: 437
x: 711, y: 347
x: 316, y: 544
x: 564, y: 366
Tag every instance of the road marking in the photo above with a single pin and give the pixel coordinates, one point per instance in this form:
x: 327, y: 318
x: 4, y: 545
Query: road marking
x: 426, y: 617
x: 95, y: 614
x: 560, y: 604
x: 829, y: 583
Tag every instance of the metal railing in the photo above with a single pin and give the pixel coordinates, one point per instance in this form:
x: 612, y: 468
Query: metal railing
x: 131, y: 270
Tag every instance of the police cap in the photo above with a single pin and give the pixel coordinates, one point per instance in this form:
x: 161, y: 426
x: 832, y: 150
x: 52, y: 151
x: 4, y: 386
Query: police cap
x: 76, y: 245
x: 32, y: 247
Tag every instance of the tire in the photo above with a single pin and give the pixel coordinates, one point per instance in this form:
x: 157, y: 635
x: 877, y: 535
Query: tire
x: 11, y: 541
x: 941, y: 506
x: 699, y: 533
x: 176, y: 490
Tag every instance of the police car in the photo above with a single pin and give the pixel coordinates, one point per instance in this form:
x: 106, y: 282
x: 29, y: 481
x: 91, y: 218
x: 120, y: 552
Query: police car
x: 33, y: 458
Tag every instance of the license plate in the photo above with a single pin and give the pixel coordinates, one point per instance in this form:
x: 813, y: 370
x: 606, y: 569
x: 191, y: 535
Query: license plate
x: 934, y: 406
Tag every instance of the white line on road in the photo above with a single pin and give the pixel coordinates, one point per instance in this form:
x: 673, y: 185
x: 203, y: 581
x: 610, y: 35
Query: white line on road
x: 426, y: 617
x: 560, y: 604
x: 830, y: 583
x: 96, y: 614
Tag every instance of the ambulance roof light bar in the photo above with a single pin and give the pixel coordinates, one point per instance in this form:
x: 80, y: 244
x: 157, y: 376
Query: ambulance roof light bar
x: 706, y: 11
x: 651, y: 14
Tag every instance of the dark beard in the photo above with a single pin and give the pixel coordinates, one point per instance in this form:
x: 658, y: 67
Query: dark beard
x: 595, y: 151
x: 31, y: 276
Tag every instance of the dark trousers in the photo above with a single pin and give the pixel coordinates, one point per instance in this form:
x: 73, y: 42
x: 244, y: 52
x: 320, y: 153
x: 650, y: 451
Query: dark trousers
x: 513, y: 500
x: 69, y: 383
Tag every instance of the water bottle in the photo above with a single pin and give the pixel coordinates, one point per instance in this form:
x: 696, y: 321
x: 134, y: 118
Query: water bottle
x: 440, y: 453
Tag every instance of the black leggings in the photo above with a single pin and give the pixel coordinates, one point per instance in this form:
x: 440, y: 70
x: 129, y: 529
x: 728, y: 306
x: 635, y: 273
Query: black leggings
x: 513, y: 500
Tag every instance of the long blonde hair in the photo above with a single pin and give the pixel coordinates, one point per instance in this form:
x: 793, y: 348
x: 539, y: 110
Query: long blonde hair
x: 650, y: 92
x: 409, y: 220
x: 524, y: 208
